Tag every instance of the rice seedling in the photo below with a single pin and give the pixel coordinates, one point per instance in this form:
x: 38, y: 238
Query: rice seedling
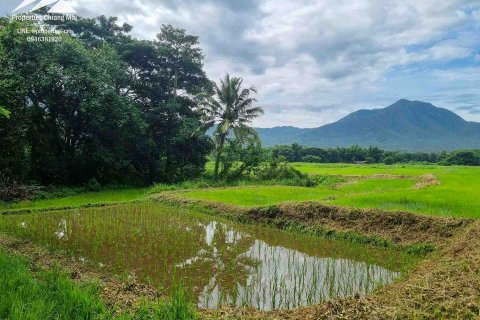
x: 219, y: 262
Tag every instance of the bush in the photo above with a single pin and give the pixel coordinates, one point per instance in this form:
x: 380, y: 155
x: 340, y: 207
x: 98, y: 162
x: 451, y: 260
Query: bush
x: 389, y: 161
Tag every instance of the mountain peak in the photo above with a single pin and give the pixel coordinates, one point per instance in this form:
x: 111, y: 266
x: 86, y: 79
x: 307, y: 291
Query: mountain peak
x: 404, y: 125
x: 411, y: 103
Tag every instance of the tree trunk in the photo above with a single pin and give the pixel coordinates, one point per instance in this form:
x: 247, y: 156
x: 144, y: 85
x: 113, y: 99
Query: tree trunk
x: 219, y: 155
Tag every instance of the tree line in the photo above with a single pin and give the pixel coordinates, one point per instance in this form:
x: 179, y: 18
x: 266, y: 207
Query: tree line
x: 102, y: 105
x: 356, y: 154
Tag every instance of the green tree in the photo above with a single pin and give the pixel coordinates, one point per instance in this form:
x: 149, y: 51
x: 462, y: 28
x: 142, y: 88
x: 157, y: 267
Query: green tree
x: 229, y: 110
x: 101, y: 105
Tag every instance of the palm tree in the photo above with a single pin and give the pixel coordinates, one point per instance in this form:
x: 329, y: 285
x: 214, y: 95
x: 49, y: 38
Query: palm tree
x: 229, y: 110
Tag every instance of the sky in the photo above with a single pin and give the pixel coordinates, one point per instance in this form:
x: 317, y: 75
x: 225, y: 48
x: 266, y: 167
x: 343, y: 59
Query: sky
x: 314, y: 62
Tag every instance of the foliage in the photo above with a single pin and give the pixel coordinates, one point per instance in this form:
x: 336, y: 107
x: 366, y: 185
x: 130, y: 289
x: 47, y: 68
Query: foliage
x: 356, y: 154
x: 466, y: 158
x: 4, y: 112
x: 101, y: 105
x: 230, y: 110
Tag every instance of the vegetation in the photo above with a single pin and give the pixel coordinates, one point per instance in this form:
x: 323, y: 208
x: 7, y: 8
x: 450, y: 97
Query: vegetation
x: 371, y: 155
x: 100, y: 105
x: 165, y: 244
x: 231, y: 110
x: 427, y: 189
x: 4, y: 112
x: 50, y: 294
x: 453, y: 192
x: 100, y: 109
x: 72, y: 198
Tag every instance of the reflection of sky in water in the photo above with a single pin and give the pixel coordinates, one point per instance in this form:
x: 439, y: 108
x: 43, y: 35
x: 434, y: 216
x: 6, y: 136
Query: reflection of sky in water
x: 284, y: 278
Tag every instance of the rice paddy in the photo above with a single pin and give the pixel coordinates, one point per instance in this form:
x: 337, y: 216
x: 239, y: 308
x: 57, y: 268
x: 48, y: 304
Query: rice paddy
x: 220, y: 262
x: 455, y: 194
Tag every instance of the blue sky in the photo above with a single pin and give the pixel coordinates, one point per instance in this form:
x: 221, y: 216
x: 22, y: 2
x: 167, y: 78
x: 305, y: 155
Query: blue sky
x: 314, y: 62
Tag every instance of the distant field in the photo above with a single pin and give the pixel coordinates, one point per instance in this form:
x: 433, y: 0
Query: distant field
x: 457, y: 195
x: 90, y: 198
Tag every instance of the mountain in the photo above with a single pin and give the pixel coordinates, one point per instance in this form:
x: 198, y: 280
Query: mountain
x: 405, y: 125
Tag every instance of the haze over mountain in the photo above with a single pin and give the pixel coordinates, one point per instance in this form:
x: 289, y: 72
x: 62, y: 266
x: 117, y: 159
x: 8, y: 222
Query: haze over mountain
x: 405, y: 125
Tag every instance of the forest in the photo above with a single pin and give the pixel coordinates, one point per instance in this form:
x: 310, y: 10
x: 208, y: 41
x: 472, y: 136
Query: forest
x: 100, y: 104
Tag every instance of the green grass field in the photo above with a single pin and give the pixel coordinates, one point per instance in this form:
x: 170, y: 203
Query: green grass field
x: 82, y: 199
x: 457, y: 195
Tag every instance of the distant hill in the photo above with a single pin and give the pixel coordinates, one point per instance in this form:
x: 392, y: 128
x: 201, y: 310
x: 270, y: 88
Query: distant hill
x: 405, y: 125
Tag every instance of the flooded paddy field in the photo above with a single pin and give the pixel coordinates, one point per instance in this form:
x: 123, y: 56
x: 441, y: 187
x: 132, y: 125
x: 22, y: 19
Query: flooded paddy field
x: 220, y: 262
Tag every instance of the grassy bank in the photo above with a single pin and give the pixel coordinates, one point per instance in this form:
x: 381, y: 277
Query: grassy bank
x: 51, y: 294
x: 78, y: 200
x: 454, y: 193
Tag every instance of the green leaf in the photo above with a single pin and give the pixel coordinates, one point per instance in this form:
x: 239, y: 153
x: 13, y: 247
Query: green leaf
x: 4, y: 112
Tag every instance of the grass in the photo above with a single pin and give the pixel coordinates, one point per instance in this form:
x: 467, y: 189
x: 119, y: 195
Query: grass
x: 49, y: 296
x: 269, y: 195
x: 52, y: 295
x: 457, y: 195
x: 79, y: 200
x: 259, y: 196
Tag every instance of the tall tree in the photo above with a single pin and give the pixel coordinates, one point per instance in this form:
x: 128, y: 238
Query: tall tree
x: 231, y: 111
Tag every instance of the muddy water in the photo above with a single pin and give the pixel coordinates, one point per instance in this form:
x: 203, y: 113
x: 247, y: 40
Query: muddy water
x: 220, y: 262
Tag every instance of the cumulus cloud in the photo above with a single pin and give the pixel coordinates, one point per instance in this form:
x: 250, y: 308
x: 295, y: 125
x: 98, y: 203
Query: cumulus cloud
x: 315, y: 61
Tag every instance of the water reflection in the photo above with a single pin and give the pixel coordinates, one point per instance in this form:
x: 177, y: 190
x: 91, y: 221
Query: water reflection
x: 221, y: 263
x: 275, y: 277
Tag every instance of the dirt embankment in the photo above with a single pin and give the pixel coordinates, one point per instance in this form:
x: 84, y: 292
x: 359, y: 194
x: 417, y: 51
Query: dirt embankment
x: 399, y: 228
